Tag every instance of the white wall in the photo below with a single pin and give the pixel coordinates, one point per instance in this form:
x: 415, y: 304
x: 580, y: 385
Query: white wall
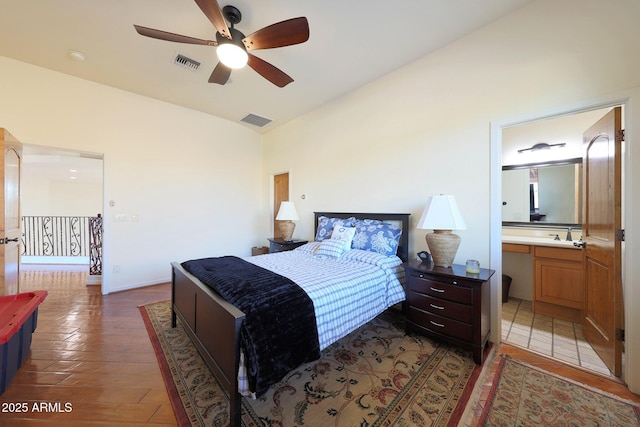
x: 567, y: 129
x: 178, y: 171
x: 426, y: 128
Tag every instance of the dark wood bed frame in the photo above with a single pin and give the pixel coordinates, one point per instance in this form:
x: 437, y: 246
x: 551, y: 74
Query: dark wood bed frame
x: 213, y: 324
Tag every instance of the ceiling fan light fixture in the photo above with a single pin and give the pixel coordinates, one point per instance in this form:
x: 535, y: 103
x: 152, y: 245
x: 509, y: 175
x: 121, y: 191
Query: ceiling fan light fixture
x: 232, y: 55
x: 231, y: 51
x: 232, y: 45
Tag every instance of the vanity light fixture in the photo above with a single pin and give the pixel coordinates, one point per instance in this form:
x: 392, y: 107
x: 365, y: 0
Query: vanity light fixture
x: 542, y: 146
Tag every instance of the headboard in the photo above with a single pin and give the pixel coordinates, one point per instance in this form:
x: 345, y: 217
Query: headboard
x: 402, y: 219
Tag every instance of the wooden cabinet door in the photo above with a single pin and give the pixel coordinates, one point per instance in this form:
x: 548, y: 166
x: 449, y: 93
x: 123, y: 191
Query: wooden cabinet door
x: 559, y: 282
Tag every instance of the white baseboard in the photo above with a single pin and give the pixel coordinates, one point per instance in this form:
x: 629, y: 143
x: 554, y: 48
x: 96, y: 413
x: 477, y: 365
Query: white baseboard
x: 69, y: 260
x: 94, y: 280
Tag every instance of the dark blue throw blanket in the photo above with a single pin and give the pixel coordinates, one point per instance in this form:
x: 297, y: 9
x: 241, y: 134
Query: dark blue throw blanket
x: 279, y: 332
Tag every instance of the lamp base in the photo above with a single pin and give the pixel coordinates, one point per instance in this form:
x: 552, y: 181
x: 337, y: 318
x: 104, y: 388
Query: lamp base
x: 443, y: 245
x: 286, y: 229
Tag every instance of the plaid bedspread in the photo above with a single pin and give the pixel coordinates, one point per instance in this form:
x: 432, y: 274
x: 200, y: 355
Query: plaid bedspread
x: 346, y: 292
x: 279, y: 330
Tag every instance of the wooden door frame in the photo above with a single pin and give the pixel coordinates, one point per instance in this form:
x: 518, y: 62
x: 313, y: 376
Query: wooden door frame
x: 631, y: 376
x: 103, y: 281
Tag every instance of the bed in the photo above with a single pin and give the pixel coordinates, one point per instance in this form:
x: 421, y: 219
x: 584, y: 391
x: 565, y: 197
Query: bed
x: 215, y: 325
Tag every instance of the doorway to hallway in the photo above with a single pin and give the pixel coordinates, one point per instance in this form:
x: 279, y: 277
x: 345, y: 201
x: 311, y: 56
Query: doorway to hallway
x: 62, y: 195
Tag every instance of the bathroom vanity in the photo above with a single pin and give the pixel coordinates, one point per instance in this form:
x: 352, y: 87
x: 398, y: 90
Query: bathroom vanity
x: 556, y: 270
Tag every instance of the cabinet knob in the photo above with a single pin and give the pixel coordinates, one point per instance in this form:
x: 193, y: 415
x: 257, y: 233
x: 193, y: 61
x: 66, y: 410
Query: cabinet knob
x: 455, y: 283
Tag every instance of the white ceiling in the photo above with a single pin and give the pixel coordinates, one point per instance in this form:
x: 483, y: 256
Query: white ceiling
x: 46, y: 164
x: 351, y: 43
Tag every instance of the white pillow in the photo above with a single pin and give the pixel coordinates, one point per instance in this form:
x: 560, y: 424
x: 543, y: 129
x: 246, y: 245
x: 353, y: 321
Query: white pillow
x: 341, y: 232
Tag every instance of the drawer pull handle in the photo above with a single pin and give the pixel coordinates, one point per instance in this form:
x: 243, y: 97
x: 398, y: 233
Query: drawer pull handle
x: 455, y: 283
x: 437, y: 306
x: 439, y: 325
x: 437, y: 290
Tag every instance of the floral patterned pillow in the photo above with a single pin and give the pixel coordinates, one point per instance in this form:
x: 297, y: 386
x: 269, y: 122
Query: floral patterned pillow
x: 376, y: 236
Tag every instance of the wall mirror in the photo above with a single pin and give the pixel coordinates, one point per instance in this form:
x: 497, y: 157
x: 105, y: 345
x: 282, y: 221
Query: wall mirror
x: 543, y: 187
x: 547, y: 193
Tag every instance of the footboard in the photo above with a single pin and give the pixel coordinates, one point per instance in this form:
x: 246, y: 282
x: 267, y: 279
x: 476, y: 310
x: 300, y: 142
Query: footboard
x: 213, y: 325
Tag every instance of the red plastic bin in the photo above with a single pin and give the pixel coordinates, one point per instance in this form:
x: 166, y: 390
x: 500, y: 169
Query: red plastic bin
x: 18, y: 321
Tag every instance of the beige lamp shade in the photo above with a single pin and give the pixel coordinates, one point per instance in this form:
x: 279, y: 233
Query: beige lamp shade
x: 441, y: 214
x: 286, y: 214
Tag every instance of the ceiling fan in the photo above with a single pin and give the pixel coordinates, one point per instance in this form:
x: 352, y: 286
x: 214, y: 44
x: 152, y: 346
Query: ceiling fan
x: 233, y: 45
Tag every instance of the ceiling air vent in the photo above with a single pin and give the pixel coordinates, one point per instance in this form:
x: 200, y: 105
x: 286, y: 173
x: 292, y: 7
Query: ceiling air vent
x: 185, y: 62
x: 254, y: 119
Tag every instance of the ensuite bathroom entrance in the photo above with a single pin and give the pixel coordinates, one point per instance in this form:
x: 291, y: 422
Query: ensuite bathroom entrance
x: 562, y: 238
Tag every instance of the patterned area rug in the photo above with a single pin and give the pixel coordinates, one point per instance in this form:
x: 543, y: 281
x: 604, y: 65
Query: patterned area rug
x: 376, y: 376
x: 526, y: 396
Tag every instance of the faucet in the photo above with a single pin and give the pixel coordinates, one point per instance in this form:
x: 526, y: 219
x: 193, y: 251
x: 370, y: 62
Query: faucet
x: 569, y: 239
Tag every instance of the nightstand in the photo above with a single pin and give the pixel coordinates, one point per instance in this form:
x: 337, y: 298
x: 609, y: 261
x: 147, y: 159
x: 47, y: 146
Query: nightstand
x: 449, y: 304
x: 281, y: 245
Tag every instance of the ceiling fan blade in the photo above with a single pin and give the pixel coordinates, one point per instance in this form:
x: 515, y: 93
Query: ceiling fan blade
x: 211, y: 9
x: 220, y: 74
x: 285, y: 33
x: 268, y: 71
x: 164, y: 35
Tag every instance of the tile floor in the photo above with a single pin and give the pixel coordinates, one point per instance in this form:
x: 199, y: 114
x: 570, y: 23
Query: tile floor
x: 548, y: 336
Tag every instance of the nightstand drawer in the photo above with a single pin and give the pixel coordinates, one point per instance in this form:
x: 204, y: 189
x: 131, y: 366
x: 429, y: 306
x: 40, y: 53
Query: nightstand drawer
x: 441, y: 307
x: 277, y: 247
x: 449, y: 304
x: 441, y: 325
x: 280, y: 245
x: 419, y: 283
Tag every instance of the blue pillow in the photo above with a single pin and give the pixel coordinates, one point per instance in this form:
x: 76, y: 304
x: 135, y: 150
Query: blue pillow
x: 325, y: 226
x: 376, y: 236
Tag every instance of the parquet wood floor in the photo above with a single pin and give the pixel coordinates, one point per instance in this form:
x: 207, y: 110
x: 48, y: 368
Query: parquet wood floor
x: 93, y: 353
x: 91, y: 356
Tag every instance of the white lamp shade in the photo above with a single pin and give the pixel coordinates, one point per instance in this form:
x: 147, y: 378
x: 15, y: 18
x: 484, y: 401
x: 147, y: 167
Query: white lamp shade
x: 287, y: 211
x: 441, y: 213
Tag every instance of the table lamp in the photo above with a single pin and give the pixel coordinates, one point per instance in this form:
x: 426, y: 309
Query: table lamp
x: 286, y: 214
x: 442, y: 215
